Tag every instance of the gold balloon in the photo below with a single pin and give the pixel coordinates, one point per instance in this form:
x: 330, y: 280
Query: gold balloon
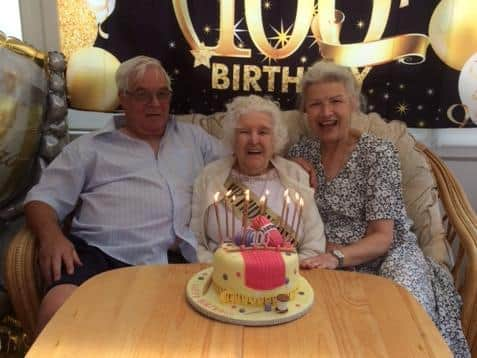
x: 90, y: 79
x: 77, y: 25
x: 453, y: 31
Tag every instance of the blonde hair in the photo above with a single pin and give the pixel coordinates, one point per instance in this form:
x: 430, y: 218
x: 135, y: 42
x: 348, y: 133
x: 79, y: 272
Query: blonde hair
x: 326, y: 71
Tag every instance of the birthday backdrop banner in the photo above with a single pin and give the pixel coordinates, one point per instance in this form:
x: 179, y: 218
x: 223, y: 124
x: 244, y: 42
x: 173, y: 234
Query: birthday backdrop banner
x: 416, y: 59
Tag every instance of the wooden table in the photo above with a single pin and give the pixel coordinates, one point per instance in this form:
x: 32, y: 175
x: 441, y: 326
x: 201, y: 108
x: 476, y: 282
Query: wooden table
x: 143, y: 312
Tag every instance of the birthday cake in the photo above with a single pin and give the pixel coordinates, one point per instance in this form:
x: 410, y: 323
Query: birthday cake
x: 257, y: 269
x: 254, y: 280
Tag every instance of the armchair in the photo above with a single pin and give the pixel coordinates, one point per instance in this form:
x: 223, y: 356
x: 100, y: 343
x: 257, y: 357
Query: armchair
x: 428, y: 187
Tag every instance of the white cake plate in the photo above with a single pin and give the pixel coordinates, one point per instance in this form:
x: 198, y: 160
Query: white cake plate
x: 204, y: 298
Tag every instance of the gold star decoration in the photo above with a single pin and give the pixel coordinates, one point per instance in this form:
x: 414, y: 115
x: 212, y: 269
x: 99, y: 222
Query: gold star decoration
x: 202, y: 55
x: 360, y: 24
x: 282, y: 36
x: 206, y: 29
x: 315, y: 9
x: 267, y: 5
x: 401, y: 108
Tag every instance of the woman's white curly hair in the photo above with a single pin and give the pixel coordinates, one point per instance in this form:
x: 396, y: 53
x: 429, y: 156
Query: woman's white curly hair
x: 245, y: 104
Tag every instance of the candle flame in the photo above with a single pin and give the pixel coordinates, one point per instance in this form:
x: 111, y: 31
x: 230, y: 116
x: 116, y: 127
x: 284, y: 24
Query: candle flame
x: 262, y: 199
x: 285, y: 194
x: 287, y: 200
x: 267, y: 192
x: 297, y: 197
x: 302, y: 202
x: 247, y: 194
x: 233, y: 198
x: 216, y: 196
x: 227, y: 194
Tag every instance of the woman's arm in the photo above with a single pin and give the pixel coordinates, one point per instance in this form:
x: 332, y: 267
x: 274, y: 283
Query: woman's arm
x: 375, y: 243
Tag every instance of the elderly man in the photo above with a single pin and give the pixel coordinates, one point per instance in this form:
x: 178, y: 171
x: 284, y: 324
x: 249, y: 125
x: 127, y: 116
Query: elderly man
x: 133, y: 182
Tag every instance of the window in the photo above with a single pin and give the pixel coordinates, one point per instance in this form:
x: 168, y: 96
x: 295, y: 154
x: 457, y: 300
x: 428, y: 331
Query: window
x: 10, y: 22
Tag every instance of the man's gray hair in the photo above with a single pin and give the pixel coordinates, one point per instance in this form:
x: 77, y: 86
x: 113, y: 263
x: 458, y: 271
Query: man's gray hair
x: 246, y: 104
x: 325, y: 72
x: 134, y: 69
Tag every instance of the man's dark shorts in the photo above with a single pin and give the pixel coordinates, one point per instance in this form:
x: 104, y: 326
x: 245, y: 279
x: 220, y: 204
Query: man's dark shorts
x: 95, y: 262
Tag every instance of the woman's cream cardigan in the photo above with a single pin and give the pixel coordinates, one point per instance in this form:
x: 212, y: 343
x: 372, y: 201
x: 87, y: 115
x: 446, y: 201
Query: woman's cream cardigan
x: 291, y: 175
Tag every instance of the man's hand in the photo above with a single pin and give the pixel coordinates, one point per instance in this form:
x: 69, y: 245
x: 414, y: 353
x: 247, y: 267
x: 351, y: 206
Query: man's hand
x: 55, y: 252
x: 326, y: 261
x: 309, y: 169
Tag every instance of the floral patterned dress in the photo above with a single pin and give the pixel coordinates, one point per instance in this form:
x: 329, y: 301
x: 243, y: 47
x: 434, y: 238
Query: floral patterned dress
x: 368, y: 188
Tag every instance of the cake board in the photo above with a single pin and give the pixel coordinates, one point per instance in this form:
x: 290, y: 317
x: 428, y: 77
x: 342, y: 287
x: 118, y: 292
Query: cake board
x: 204, y: 298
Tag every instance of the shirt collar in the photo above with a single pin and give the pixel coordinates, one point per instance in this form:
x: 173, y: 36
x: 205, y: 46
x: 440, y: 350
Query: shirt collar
x: 118, y: 121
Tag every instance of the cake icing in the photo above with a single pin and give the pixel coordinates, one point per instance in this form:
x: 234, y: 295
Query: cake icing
x: 257, y: 267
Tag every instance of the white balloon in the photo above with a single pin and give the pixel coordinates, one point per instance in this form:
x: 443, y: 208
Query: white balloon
x: 468, y: 86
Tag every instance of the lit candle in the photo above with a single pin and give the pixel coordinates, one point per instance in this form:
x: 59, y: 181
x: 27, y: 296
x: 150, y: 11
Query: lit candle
x: 262, y: 204
x: 245, y: 209
x: 233, y: 216
x: 216, y: 200
x: 300, y: 213
x: 287, y: 209
x: 285, y: 196
x: 226, y: 205
x: 267, y: 193
x: 295, y: 208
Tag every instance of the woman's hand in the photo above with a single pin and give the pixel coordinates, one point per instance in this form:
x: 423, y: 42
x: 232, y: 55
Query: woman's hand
x: 326, y: 261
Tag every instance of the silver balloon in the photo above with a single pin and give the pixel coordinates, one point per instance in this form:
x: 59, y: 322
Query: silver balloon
x: 57, y: 82
x: 21, y: 113
x: 57, y: 108
x: 56, y: 61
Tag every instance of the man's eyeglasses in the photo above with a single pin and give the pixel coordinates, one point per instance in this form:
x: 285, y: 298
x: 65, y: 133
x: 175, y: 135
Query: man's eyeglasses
x: 147, y: 97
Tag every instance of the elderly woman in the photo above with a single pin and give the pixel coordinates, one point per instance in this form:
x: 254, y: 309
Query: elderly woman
x: 255, y: 133
x: 360, y: 200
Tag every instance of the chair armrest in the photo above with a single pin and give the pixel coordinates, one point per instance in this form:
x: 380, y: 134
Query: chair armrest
x: 462, y: 226
x: 22, y: 279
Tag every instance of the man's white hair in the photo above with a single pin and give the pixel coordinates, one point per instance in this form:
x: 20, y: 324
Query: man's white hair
x: 134, y: 68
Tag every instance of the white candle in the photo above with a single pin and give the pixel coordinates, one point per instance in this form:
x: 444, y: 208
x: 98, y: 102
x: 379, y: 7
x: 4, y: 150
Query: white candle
x: 245, y: 209
x: 262, y: 204
x: 216, y: 200
x: 226, y: 199
x: 302, y: 203
x: 233, y: 216
x: 295, y: 208
x: 267, y: 193
x: 285, y: 196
